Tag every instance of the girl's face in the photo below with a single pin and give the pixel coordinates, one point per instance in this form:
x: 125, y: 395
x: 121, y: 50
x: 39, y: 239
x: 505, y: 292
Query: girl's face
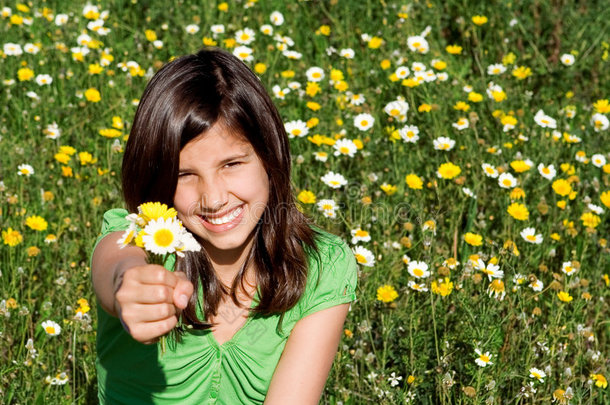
x: 222, y: 192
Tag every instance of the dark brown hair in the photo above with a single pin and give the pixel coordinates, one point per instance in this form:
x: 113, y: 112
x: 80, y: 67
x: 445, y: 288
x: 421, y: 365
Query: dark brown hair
x: 184, y: 100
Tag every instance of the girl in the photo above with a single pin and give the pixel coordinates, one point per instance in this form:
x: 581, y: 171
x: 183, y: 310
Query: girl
x: 268, y: 293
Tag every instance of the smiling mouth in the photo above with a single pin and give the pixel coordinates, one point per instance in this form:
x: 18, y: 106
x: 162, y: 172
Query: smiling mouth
x: 225, y: 218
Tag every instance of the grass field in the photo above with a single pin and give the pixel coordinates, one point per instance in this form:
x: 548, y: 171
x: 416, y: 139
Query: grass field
x: 472, y: 138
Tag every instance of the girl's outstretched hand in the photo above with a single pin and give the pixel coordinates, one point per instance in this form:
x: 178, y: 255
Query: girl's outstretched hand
x: 148, y: 299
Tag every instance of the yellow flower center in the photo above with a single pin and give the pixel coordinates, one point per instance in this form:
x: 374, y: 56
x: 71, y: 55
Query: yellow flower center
x: 296, y: 132
x: 361, y: 233
x: 364, y: 123
x: 360, y: 258
x: 50, y: 330
x: 531, y: 237
x: 418, y: 272
x: 484, y: 358
x: 164, y: 237
x: 394, y: 112
x: 344, y: 149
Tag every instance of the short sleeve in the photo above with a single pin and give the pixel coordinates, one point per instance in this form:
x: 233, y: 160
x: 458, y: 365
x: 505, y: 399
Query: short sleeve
x: 114, y: 220
x: 338, y: 275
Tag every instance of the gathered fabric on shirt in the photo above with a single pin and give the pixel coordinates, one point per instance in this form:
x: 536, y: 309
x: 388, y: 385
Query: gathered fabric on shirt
x: 197, y: 370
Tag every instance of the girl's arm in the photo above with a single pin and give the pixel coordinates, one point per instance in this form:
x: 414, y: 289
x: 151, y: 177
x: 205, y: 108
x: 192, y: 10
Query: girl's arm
x: 302, y: 371
x: 146, y: 297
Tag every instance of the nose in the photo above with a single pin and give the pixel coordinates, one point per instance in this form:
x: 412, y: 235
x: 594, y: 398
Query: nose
x: 213, y: 195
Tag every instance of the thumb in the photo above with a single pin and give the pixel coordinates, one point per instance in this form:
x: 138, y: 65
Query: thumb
x: 182, y: 291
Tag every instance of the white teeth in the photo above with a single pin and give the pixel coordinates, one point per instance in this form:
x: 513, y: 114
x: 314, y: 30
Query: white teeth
x: 227, y: 218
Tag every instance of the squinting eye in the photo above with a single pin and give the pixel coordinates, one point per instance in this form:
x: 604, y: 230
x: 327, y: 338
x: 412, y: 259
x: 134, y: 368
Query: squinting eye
x: 233, y: 164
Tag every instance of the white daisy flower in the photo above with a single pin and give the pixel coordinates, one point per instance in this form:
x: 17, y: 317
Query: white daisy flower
x: 567, y: 59
x: 266, y: 29
x: 581, y: 157
x: 507, y: 180
x: 443, y: 143
x: 294, y: 85
x: 284, y: 40
x: 544, y: 120
x: 245, y: 36
x: 595, y: 208
x: 162, y: 236
x: 418, y: 43
x: 129, y: 235
x: 468, y: 192
x: 496, y: 69
x: 461, y: 123
x: 314, y: 74
x: 397, y: 109
x: 347, y: 53
x: 321, y: 156
x: 364, y: 121
x: 244, y: 53
x: 429, y: 76
x: 296, y: 128
x: 356, y: 99
x: 25, y: 170
x: 292, y: 55
x: 402, y: 72
x: 548, y: 172
x: 360, y: 235
x: 409, y: 133
x: 417, y: 287
x: 276, y: 18
x: 568, y: 268
x: 188, y: 243
x: 537, y: 285
x: 530, y: 235
x: 490, y: 171
x: 484, y: 358
x: 44, y: 79
x: 537, y: 374
x: 418, y: 67
x: 345, y: 147
x: 600, y: 122
x: 442, y: 76
x: 192, y: 29
x: 217, y: 29
x: 418, y: 269
x: 492, y: 271
x: 52, y: 131
x: 334, y: 180
x: 12, y: 49
x: 326, y: 205
x: 51, y: 328
x: 598, y: 160
x: 280, y: 93
x: 32, y: 49
x: 364, y: 256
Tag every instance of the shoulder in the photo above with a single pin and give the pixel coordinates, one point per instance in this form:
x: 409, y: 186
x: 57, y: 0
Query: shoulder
x: 112, y: 221
x: 332, y: 274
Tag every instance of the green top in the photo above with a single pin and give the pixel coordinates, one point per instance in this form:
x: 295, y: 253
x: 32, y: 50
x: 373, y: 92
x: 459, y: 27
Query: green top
x: 200, y: 371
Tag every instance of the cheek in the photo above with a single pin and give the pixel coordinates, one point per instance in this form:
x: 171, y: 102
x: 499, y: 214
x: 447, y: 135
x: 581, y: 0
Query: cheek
x: 184, y: 199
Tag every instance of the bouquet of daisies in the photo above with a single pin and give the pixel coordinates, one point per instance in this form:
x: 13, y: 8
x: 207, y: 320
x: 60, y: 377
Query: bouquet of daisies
x: 157, y: 229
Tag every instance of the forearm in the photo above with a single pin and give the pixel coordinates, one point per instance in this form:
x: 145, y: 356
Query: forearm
x: 108, y: 266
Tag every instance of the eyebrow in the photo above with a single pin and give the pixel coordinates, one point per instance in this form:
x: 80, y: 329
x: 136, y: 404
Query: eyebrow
x: 234, y: 157
x: 226, y: 160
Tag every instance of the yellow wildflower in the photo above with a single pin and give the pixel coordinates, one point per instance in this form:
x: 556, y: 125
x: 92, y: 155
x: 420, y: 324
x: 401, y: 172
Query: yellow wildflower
x: 386, y: 293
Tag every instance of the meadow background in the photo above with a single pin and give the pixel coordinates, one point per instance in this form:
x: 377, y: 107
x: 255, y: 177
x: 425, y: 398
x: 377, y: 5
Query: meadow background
x: 472, y: 138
